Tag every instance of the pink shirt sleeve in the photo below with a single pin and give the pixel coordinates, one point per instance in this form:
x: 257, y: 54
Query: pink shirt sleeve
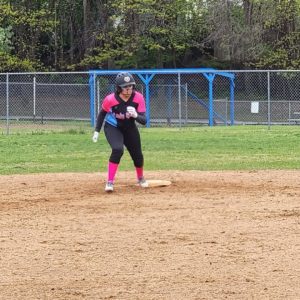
x: 108, y: 102
x: 139, y: 99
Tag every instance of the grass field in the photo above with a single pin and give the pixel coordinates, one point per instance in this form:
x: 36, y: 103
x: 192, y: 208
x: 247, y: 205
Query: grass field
x: 203, y: 148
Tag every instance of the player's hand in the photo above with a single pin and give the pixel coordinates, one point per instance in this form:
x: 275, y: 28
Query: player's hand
x: 95, y: 137
x: 132, y: 112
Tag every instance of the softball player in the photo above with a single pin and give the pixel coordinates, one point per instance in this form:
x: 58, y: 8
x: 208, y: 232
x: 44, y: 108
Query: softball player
x: 119, y: 112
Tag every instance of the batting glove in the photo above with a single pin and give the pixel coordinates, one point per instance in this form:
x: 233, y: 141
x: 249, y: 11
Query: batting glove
x: 132, y: 112
x: 95, y: 137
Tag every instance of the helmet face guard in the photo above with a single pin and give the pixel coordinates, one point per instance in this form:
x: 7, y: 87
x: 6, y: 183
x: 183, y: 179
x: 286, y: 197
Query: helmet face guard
x: 123, y: 79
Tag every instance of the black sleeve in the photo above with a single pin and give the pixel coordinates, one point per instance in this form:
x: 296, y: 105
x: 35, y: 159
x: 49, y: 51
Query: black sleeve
x: 141, y: 118
x: 100, y: 120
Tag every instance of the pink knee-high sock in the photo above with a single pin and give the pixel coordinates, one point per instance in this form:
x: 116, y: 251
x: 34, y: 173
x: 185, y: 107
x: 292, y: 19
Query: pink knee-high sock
x: 112, y: 170
x: 139, y: 172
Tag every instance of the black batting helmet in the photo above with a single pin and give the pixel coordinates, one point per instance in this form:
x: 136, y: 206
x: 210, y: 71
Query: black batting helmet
x: 123, y: 79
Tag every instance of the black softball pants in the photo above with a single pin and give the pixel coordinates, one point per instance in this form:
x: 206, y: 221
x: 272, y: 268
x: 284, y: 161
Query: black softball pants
x: 130, y: 137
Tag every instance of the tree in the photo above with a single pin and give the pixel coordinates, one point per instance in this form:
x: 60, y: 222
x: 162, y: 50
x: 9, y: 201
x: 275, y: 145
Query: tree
x: 83, y: 34
x: 31, y: 24
x: 281, y: 36
x: 145, y: 33
x: 253, y: 33
x: 5, y: 39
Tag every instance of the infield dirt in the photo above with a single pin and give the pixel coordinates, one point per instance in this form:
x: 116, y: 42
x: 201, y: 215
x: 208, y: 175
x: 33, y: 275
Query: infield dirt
x: 210, y: 235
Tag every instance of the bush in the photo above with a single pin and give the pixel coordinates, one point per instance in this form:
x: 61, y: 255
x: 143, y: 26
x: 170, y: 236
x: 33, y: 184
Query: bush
x: 11, y: 63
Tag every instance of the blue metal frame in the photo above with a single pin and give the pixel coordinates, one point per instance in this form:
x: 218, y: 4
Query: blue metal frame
x: 146, y: 81
x: 147, y: 75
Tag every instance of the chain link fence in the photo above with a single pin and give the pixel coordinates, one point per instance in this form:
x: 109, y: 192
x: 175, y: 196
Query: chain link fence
x: 275, y: 95
x: 68, y: 101
x: 49, y: 101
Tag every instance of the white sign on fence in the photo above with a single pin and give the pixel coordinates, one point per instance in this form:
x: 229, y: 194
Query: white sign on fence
x: 254, y: 107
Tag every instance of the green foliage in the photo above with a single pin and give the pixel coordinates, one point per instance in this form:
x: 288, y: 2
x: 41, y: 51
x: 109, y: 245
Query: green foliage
x: 27, y: 27
x: 5, y: 39
x: 281, y: 42
x: 116, y: 48
x: 143, y: 34
x: 79, y: 35
x: 11, y: 63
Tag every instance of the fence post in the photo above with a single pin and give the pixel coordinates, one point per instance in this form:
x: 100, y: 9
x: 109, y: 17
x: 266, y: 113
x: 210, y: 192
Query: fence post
x: 211, y: 104
x: 186, y: 104
x: 92, y: 83
x: 147, y: 101
x: 269, y: 101
x: 98, y: 97
x: 34, y: 97
x: 179, y: 99
x: 289, y: 111
x: 169, y: 103
x: 7, y: 104
x: 231, y: 102
x: 226, y: 110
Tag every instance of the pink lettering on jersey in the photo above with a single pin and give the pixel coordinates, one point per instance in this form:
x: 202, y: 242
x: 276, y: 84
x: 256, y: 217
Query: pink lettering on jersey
x: 120, y: 116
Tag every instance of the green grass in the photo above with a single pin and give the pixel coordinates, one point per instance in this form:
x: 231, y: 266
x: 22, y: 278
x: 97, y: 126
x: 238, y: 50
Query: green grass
x: 201, y: 148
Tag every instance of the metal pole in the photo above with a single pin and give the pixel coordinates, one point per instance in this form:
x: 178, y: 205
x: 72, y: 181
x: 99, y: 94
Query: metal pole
x: 7, y: 104
x: 34, y: 97
x: 269, y: 102
x: 147, y: 101
x: 146, y: 81
x: 226, y: 110
x: 169, y: 106
x: 179, y: 99
x: 289, y: 111
x: 186, y: 103
x: 231, y: 102
x: 98, y: 97
x: 210, y: 100
x: 92, y: 98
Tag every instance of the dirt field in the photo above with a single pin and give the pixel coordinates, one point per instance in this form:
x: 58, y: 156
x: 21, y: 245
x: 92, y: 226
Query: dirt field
x: 210, y: 235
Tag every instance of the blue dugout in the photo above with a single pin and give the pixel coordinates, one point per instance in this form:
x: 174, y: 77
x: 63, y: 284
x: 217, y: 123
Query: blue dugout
x: 146, y: 76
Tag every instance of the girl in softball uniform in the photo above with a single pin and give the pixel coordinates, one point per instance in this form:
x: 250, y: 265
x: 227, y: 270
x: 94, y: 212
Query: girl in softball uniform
x: 119, y: 113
